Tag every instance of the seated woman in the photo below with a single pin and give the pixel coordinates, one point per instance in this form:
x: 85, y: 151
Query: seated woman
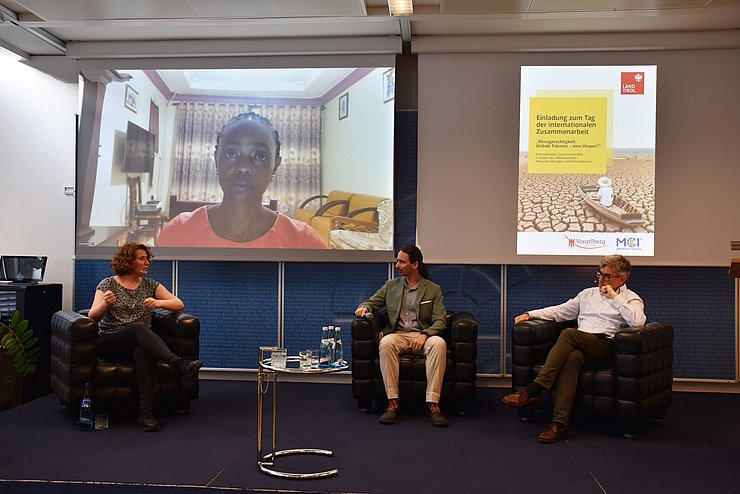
x: 122, y: 306
x: 247, y: 155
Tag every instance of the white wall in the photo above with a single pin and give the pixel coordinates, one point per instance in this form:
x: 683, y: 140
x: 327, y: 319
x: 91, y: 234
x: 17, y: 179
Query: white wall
x: 110, y: 201
x: 37, y: 138
x: 363, y: 136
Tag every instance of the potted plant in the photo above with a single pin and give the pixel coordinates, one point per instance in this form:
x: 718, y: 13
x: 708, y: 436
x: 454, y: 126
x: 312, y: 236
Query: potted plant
x: 21, y: 346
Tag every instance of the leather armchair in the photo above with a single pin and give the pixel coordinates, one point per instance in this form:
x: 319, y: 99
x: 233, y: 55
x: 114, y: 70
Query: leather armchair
x: 636, y: 388
x: 458, y: 387
x: 74, y: 362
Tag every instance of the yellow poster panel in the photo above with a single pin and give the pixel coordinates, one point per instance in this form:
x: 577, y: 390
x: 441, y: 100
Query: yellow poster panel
x: 567, y: 135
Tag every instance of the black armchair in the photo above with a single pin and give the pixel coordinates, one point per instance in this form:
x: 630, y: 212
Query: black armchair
x: 636, y: 388
x: 74, y: 362
x: 458, y: 387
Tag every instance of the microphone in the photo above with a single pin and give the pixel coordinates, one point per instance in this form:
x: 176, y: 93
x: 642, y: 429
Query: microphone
x: 368, y: 315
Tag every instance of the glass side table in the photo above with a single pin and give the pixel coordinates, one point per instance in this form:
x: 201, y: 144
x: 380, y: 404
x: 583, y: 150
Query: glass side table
x: 266, y: 374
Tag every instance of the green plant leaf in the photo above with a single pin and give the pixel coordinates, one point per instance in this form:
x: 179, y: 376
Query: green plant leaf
x: 21, y: 344
x: 26, y: 335
x: 22, y: 326
x: 6, y: 340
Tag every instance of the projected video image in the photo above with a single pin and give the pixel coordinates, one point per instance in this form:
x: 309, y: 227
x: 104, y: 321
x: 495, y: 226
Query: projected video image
x: 587, y: 160
x: 244, y: 159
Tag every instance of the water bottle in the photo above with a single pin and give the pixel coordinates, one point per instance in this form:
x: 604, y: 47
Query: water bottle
x: 324, y: 348
x: 332, y: 344
x: 86, y: 411
x: 338, y: 350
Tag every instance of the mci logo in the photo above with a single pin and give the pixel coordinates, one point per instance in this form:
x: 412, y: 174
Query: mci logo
x: 628, y: 243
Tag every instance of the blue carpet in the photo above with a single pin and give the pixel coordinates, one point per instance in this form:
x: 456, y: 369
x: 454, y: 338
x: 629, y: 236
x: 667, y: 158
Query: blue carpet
x: 213, y: 449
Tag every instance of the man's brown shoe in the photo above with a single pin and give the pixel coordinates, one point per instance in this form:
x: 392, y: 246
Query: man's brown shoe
x: 434, y: 415
x: 522, y: 399
x: 553, y: 433
x: 390, y: 416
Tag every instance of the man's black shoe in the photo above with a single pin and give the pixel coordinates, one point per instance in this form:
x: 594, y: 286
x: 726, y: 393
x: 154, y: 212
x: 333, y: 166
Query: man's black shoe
x: 148, y: 421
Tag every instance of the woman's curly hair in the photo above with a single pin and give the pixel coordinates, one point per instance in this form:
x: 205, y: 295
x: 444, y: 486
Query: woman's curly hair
x: 123, y: 262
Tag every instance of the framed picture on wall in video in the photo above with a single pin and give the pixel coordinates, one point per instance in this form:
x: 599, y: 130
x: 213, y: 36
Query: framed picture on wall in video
x: 343, y: 106
x: 389, y: 85
x: 131, y: 100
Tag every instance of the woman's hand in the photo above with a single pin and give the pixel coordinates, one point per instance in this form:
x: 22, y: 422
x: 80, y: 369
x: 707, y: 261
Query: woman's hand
x: 152, y: 303
x: 109, y: 297
x: 102, y: 301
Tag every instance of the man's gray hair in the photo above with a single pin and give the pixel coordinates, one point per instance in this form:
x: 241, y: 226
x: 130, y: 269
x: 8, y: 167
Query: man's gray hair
x: 618, y: 263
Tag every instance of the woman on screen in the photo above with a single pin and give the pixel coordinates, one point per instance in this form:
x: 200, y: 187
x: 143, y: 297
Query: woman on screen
x: 123, y: 308
x: 247, y: 155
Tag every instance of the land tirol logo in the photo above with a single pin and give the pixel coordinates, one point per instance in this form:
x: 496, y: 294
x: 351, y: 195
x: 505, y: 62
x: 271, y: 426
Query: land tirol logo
x: 633, y: 83
x: 585, y: 243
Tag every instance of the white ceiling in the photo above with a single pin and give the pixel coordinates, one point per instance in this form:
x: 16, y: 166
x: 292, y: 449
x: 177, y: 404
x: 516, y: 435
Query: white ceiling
x: 77, y: 29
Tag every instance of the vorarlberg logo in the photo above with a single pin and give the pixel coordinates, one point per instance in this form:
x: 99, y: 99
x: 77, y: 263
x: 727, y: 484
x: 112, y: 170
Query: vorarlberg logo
x: 628, y: 243
x: 585, y: 243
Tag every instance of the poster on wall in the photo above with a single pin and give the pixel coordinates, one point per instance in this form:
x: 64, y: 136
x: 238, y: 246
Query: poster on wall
x: 587, y: 160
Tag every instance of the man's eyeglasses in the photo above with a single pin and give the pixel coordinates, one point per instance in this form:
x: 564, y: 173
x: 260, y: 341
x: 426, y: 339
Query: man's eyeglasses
x: 607, y: 277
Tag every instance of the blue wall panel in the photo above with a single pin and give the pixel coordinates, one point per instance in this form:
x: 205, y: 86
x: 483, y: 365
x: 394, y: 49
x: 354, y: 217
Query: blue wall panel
x: 475, y: 289
x: 323, y: 294
x: 700, y: 304
x: 237, y: 304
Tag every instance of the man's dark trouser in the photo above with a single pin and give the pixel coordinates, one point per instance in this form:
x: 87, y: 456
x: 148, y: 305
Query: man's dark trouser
x: 573, y: 350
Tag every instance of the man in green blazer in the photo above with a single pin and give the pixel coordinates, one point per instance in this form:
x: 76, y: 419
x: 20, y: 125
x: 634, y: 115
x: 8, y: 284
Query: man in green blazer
x: 416, y: 315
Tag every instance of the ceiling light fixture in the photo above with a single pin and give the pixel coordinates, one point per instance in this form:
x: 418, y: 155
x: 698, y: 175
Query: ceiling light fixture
x: 401, y: 7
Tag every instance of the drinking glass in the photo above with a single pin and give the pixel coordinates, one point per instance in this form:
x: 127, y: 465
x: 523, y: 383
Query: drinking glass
x: 305, y: 359
x: 278, y: 357
x: 314, y: 358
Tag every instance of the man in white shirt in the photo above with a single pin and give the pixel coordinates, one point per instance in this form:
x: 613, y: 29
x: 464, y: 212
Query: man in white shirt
x: 600, y: 312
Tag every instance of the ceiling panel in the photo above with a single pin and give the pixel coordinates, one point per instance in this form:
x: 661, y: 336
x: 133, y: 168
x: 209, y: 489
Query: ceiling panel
x: 572, y: 5
x: 69, y: 10
x: 662, y: 4
x: 483, y: 6
x: 157, y: 9
x: 329, y: 8
x: 235, y: 8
